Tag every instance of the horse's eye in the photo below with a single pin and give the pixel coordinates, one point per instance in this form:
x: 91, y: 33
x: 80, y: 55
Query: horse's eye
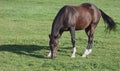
x: 55, y: 45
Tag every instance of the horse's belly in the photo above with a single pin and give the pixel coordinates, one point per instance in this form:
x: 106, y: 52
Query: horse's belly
x: 81, y: 26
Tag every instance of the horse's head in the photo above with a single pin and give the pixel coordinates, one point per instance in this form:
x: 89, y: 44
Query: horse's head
x: 53, y: 43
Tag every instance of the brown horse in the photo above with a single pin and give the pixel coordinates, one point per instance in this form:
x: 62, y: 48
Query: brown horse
x: 83, y: 17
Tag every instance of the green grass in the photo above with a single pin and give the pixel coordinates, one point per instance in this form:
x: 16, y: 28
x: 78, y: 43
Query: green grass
x: 24, y: 29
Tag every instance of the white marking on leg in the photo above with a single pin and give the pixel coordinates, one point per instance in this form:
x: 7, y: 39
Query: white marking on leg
x: 49, y: 54
x: 73, y: 53
x: 87, y: 52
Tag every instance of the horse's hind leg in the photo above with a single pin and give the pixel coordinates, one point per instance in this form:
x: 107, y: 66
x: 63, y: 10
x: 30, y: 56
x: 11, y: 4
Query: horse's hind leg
x: 89, y: 31
x: 72, y: 32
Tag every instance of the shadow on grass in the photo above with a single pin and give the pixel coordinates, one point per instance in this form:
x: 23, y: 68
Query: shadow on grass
x: 28, y: 50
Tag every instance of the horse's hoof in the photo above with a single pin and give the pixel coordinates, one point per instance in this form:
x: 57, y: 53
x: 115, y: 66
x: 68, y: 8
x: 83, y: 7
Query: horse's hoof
x: 72, y: 56
x: 53, y: 57
x: 84, y: 56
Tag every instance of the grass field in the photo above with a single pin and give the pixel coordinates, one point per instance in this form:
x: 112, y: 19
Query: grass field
x: 24, y: 29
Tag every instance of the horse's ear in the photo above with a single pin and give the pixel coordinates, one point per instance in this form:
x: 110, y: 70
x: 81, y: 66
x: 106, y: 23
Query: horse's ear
x: 49, y: 36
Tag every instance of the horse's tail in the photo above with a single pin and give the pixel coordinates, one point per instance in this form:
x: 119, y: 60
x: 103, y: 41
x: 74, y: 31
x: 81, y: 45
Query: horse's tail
x: 111, y: 25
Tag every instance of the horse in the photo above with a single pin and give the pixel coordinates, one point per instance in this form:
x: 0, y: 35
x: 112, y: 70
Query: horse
x: 82, y: 17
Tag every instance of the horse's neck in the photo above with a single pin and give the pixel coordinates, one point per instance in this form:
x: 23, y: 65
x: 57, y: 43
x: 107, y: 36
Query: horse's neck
x: 55, y: 29
x: 57, y: 23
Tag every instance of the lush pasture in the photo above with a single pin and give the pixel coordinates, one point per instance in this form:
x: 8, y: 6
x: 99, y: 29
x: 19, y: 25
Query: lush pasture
x: 24, y: 29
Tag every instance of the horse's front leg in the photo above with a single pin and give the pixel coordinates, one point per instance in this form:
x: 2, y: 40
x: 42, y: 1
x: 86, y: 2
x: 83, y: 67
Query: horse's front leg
x: 49, y: 54
x: 72, y: 32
